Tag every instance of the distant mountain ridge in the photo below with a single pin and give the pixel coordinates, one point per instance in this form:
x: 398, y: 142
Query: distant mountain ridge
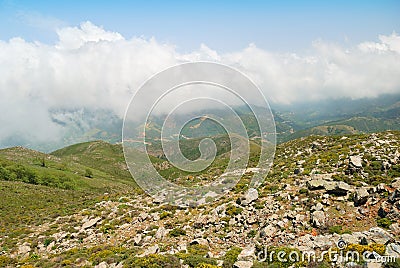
x: 325, y: 117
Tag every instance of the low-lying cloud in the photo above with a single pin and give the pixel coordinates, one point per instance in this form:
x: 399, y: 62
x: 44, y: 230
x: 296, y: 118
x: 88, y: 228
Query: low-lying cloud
x: 90, y: 67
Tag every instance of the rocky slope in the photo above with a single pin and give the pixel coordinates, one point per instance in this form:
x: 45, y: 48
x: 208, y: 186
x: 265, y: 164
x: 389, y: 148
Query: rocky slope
x: 321, y: 190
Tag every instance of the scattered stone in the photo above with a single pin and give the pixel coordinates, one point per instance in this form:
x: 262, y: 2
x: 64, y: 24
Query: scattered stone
x: 151, y: 250
x: 137, y: 240
x: 243, y: 264
x: 356, y: 161
x: 102, y: 265
x: 316, y: 184
x: 24, y: 249
x: 396, y: 183
x: 247, y: 254
x: 318, y: 218
x: 361, y: 197
x: 393, y: 249
x: 91, y: 223
x: 199, y: 241
x: 161, y: 233
x: 268, y: 231
x: 251, y: 195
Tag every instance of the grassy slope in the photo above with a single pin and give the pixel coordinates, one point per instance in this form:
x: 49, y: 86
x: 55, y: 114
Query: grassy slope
x: 58, y: 188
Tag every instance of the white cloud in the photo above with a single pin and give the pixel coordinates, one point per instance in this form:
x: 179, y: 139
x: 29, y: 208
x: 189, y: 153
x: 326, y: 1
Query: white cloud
x: 95, y: 68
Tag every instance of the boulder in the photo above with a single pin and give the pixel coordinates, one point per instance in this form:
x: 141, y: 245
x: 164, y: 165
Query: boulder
x: 317, y: 207
x: 393, y: 249
x: 91, y: 223
x: 268, y: 231
x: 199, y: 241
x: 378, y: 235
x: 361, y: 197
x: 355, y: 165
x: 102, y: 265
x: 337, y: 188
x: 318, y: 218
x: 251, y: 195
x: 151, y: 250
x: 137, y: 239
x: 316, y: 184
x: 161, y: 232
x: 243, y: 264
x: 24, y: 249
x: 356, y: 161
x: 396, y: 183
x: 247, y: 254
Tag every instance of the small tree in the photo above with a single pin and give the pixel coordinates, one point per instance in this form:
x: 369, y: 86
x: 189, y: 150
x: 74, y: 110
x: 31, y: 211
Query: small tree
x: 89, y: 173
x: 43, y: 162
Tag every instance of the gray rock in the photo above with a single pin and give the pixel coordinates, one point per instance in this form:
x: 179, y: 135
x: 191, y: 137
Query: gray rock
x: 396, y: 183
x: 393, y: 249
x: 199, y: 241
x: 337, y: 188
x: 247, y: 254
x: 251, y: 195
x: 243, y: 264
x: 137, y: 239
x: 24, y: 249
x: 378, y: 235
x: 356, y: 161
x: 318, y: 218
x: 361, y: 197
x: 151, y: 250
x: 395, y: 228
x: 316, y: 184
x: 101, y: 265
x: 317, y: 207
x: 268, y: 231
x: 91, y: 223
x: 161, y: 233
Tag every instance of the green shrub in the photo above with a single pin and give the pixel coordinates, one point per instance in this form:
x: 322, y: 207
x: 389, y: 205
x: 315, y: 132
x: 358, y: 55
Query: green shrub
x: 231, y: 257
x: 303, y: 191
x: 197, y: 249
x: 164, y: 215
x: 177, y: 232
x: 48, y: 241
x: 252, y: 233
x: 88, y: 173
x: 384, y: 222
x: 7, y: 261
x: 153, y: 261
x: 232, y: 210
x: 197, y: 260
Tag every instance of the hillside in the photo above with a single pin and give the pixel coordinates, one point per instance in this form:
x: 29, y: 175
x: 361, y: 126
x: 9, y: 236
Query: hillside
x: 319, y: 190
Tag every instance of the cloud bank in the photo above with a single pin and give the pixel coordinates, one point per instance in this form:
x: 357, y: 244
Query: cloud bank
x: 90, y: 67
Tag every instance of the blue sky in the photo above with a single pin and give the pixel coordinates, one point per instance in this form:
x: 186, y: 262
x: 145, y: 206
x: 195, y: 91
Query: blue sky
x: 224, y: 26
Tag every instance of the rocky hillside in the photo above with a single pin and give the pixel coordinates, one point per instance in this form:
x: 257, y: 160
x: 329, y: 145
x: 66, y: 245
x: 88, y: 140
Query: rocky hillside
x: 320, y: 191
